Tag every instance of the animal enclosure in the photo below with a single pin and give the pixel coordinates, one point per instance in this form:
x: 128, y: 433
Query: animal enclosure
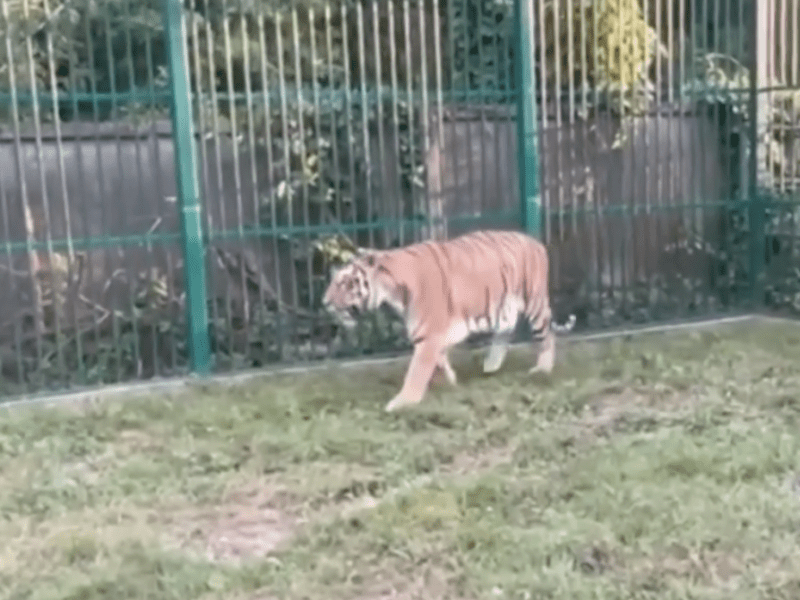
x: 261, y: 142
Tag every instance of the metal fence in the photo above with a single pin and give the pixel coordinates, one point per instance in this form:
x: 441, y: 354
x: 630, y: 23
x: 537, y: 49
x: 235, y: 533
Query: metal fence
x: 179, y: 176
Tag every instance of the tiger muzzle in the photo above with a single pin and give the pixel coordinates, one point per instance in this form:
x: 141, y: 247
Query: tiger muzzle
x: 347, y: 315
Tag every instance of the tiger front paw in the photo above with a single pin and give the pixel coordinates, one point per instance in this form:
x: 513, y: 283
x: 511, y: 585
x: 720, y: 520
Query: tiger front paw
x: 398, y: 402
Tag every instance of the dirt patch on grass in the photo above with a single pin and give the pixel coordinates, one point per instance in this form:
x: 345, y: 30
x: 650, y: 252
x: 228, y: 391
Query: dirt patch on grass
x: 471, y: 462
x: 245, y: 525
x: 706, y: 567
x: 432, y: 581
x: 615, y: 409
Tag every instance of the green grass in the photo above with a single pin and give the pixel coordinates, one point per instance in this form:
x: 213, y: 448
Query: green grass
x: 659, y: 466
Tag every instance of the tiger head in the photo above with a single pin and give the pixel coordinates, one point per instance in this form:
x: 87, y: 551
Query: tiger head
x: 350, y: 291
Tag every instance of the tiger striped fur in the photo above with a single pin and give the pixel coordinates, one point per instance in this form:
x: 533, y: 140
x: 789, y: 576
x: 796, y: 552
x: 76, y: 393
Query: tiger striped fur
x: 445, y: 291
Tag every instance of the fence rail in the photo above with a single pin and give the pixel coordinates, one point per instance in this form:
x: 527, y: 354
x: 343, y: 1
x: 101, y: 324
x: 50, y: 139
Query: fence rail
x: 180, y: 176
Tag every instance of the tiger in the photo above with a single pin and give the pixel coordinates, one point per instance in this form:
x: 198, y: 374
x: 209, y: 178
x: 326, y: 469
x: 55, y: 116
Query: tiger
x: 444, y: 291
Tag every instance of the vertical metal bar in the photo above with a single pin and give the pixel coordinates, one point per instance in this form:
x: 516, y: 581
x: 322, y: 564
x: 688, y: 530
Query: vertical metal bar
x: 237, y: 178
x: 425, y: 116
x: 659, y: 214
x: 218, y: 202
x: 656, y: 214
x: 391, y: 7
x: 107, y: 262
x: 201, y: 6
x: 348, y: 100
x: 123, y: 213
x: 794, y: 82
x: 566, y: 172
x: 590, y: 165
x: 12, y: 274
x: 88, y: 264
x: 154, y: 324
x: 316, y: 103
x: 783, y: 78
x: 770, y: 69
x: 188, y: 190
x: 411, y: 120
x: 301, y: 132
x: 638, y: 119
x: 67, y: 212
x: 333, y: 104
x: 642, y: 225
x: 467, y: 102
x: 155, y: 165
x: 573, y: 162
x: 625, y: 259
x: 254, y: 179
x: 265, y: 87
x: 500, y: 99
x: 558, y: 166
x: 287, y: 163
x: 743, y: 167
x: 365, y: 110
x: 541, y: 87
x: 455, y: 146
x: 30, y: 234
x: 321, y: 217
x: 607, y: 264
x: 527, y: 135
x: 505, y: 99
x: 132, y: 89
x: 437, y: 62
x: 721, y: 214
x: 365, y: 136
x: 759, y: 78
x: 376, y: 52
x: 681, y: 194
x: 481, y: 101
x: 670, y: 51
x: 674, y: 115
x: 703, y: 196
x: 53, y: 266
x: 333, y: 95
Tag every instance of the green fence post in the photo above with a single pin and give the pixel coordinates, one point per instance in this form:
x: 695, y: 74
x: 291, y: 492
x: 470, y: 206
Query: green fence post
x: 188, y: 189
x: 527, y: 133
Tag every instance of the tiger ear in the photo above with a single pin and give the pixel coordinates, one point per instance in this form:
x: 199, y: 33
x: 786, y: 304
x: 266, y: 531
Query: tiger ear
x: 367, y: 256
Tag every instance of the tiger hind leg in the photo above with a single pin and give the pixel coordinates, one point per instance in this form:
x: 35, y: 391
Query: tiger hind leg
x: 447, y: 369
x: 546, y: 359
x: 426, y: 358
x: 497, y: 351
x: 542, y: 332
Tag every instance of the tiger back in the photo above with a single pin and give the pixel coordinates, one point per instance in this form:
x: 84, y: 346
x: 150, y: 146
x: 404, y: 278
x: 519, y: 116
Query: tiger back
x: 445, y: 291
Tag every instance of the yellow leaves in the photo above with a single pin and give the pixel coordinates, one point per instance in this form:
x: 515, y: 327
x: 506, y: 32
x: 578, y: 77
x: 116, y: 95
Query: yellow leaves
x: 336, y: 249
x: 624, y: 42
x: 602, y: 42
x: 31, y: 9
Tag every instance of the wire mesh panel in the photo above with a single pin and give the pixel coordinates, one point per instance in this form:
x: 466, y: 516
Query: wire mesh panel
x: 330, y: 125
x: 90, y: 286
x: 645, y: 141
